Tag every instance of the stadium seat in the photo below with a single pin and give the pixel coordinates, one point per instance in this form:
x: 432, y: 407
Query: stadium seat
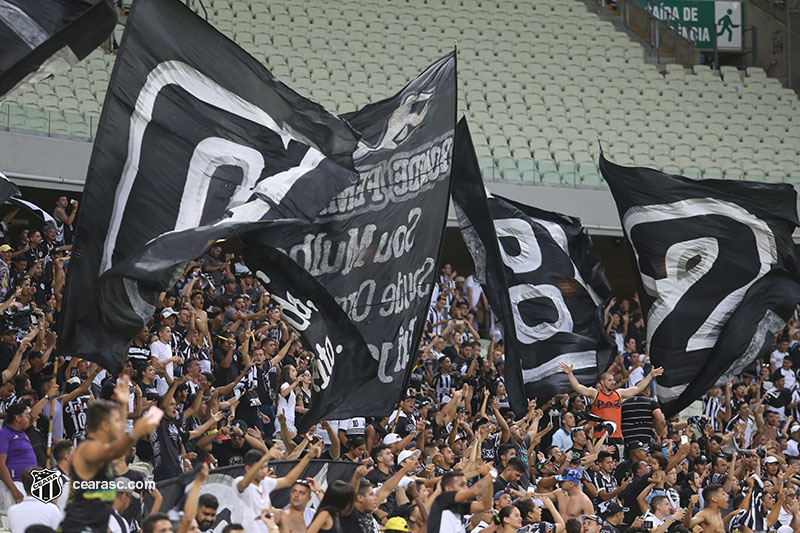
x: 521, y: 65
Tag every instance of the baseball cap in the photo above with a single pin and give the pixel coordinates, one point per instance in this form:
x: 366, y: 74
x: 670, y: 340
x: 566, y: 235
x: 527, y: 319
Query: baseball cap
x: 168, y: 312
x: 770, y: 460
x: 638, y: 445
x: 241, y: 424
x: 594, y: 517
x: 125, y: 486
x: 405, y: 454
x: 701, y: 460
x: 459, y: 279
x: 571, y: 474
x: 74, y: 380
x: 391, y: 438
x: 614, y: 508
x: 395, y: 523
x: 5, y: 248
x: 500, y: 493
x: 794, y: 428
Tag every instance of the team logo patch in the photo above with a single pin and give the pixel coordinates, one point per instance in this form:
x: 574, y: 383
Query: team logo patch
x: 46, y: 485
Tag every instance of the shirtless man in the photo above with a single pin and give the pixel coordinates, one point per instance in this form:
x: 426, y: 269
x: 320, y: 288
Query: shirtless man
x: 710, y: 518
x: 298, y: 516
x: 572, y: 502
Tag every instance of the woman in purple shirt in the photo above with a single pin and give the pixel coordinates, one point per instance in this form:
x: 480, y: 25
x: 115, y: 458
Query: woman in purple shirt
x: 16, y: 453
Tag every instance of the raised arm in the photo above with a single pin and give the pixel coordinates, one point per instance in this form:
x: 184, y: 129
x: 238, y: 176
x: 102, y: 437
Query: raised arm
x: 190, y: 507
x: 286, y: 481
x: 642, y: 385
x: 589, y: 392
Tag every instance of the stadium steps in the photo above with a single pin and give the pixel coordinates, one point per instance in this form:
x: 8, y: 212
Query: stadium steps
x: 539, y: 94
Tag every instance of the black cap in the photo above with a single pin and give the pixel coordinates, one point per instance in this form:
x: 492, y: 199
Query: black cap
x: 613, y: 508
x: 701, y: 460
x: 638, y: 445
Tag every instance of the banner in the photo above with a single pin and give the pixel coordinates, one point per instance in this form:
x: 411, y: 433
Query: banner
x: 703, y: 23
x: 39, y: 38
x: 543, y: 280
x: 717, y: 272
x: 375, y: 247
x: 220, y: 483
x: 340, y: 354
x: 196, y: 136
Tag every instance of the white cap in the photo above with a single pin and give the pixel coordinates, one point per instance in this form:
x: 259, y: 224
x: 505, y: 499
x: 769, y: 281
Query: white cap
x: 391, y: 438
x: 794, y: 428
x: 771, y: 459
x: 405, y: 454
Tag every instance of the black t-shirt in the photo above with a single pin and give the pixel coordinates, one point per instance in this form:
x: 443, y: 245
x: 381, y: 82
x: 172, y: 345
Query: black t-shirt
x: 227, y: 455
x: 448, y: 516
x: 629, y: 495
x: 167, y: 444
x: 608, y: 528
x: 378, y: 478
x: 149, y: 392
x: 406, y: 425
x: 358, y: 522
x: 222, y: 375
x: 6, y: 355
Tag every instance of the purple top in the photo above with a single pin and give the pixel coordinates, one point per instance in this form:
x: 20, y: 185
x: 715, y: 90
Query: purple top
x: 17, y: 447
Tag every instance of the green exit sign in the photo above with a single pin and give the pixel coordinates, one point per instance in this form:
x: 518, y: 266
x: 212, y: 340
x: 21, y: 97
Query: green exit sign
x: 702, y: 23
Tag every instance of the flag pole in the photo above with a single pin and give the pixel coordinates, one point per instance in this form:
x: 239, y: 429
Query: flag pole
x: 50, y: 422
x: 397, y: 416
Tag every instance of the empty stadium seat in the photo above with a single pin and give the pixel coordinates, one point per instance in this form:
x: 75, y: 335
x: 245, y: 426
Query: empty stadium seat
x: 539, y: 96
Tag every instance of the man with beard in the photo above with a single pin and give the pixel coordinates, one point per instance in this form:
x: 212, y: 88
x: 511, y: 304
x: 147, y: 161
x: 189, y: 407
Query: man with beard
x: 369, y: 497
x: 207, y: 507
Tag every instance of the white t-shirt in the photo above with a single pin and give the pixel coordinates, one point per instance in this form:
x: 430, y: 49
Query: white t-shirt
x: 353, y: 426
x: 477, y: 290
x: 792, y: 448
x: 286, y: 406
x: 653, y: 519
x: 776, y: 358
x: 252, y: 500
x: 31, y: 511
x: 636, y: 376
x: 789, y: 378
x: 162, y: 352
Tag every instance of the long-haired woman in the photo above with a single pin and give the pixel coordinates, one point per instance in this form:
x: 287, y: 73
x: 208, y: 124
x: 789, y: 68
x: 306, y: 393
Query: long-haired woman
x: 337, y: 502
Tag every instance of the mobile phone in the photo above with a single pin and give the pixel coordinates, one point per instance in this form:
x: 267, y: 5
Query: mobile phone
x: 428, y: 460
x: 684, y: 440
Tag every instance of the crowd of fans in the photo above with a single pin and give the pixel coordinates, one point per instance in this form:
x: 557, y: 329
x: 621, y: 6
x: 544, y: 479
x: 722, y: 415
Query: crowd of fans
x: 218, y: 379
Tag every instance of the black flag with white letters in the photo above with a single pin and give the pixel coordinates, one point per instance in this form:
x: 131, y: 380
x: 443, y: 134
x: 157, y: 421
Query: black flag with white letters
x: 39, y: 38
x: 717, y: 272
x: 543, y: 280
x: 376, y: 246
x: 340, y: 352
x: 196, y: 136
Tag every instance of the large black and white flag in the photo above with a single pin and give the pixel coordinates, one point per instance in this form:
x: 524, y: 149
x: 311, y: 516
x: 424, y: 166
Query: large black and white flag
x: 543, y: 280
x: 33, y: 208
x: 196, y: 137
x: 8, y: 189
x: 717, y: 272
x: 376, y: 246
x: 39, y: 38
x: 340, y: 352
